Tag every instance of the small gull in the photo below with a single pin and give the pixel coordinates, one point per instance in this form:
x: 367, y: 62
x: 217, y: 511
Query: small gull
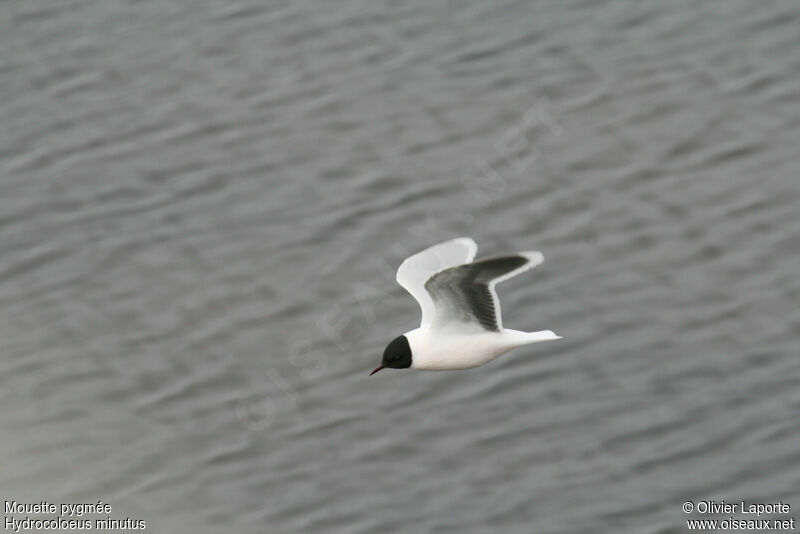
x: 461, y: 325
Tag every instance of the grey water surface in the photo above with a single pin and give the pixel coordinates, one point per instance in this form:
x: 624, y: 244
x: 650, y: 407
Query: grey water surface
x: 202, y: 206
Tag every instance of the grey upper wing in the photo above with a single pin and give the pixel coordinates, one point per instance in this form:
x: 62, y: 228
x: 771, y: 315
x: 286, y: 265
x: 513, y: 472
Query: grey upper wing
x: 464, y: 295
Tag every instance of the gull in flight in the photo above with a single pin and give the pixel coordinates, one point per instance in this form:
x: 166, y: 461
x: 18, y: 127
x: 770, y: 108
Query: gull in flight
x: 461, y: 325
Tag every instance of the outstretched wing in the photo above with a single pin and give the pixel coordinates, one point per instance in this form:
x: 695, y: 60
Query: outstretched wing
x: 464, y: 295
x: 417, y: 269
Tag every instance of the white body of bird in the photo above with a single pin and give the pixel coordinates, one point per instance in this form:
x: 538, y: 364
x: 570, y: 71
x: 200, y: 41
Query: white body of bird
x: 441, y: 351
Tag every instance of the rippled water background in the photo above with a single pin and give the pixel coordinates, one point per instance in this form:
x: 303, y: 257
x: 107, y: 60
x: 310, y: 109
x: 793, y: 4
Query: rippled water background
x: 202, y: 205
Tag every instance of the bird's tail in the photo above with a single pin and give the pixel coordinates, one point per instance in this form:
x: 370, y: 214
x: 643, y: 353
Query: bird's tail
x: 526, y: 338
x: 542, y: 335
